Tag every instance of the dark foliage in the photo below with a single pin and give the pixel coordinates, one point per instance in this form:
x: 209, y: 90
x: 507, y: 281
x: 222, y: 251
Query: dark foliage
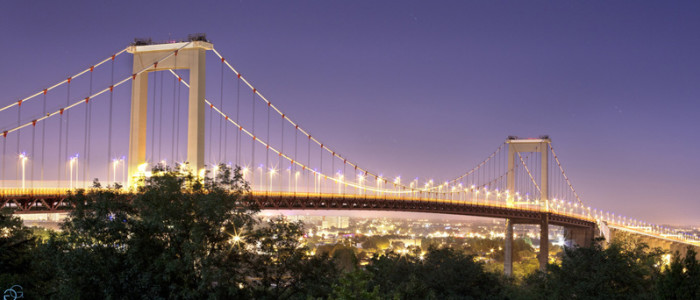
x: 182, y: 237
x: 441, y: 274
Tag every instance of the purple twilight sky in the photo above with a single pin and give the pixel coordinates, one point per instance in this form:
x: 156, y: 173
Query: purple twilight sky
x: 429, y: 88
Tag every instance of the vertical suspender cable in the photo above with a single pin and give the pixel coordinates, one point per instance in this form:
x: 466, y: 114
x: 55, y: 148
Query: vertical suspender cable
x: 43, y: 136
x: 294, y: 167
x: 498, y: 169
x: 252, y: 152
x: 31, y: 173
x: 19, y: 114
x: 4, y: 158
x: 211, y: 116
x: 109, y: 135
x: 238, y: 112
x: 85, y: 135
x: 279, y: 157
x: 67, y: 122
x: 160, y: 121
x: 221, y: 104
x: 528, y: 187
x: 60, y: 148
x: 308, y: 163
x: 172, y: 128
x: 176, y: 115
x: 153, y: 117
x: 177, y: 121
x: 267, y: 152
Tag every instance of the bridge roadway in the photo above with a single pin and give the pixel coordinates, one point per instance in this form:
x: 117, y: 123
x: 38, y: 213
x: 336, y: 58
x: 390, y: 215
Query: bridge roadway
x: 50, y: 200
x: 579, y: 229
x: 519, y: 213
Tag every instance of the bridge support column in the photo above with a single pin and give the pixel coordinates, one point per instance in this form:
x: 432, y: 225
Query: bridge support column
x: 138, y: 125
x: 508, y: 249
x: 189, y: 56
x: 195, y: 115
x: 582, y: 237
x: 543, y: 256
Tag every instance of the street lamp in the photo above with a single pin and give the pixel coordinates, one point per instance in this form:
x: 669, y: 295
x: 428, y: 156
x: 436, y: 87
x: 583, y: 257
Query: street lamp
x: 296, y: 180
x: 315, y: 181
x: 260, y: 167
x: 115, y: 163
x: 73, y: 161
x: 360, y: 180
x: 244, y: 171
x: 23, y: 160
x: 272, y: 173
x: 340, y: 180
x: 289, y: 179
x: 123, y: 169
x: 214, y: 171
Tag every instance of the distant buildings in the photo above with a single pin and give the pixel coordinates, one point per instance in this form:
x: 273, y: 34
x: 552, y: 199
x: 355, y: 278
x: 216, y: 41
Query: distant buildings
x: 329, y: 222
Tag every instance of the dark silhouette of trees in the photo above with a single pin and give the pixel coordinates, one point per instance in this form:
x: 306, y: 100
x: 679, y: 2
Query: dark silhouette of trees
x: 181, y: 237
x: 16, y: 245
x: 443, y: 273
x: 681, y: 280
x: 619, y: 271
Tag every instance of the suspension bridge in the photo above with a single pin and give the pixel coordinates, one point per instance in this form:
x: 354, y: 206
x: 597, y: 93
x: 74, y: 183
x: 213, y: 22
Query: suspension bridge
x: 160, y: 108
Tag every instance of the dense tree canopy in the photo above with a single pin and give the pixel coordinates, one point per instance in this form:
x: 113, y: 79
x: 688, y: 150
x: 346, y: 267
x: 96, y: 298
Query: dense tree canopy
x: 181, y: 237
x: 442, y: 273
x: 178, y: 236
x: 16, y: 244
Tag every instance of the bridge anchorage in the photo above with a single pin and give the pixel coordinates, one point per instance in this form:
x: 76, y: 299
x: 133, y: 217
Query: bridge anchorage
x: 522, y: 181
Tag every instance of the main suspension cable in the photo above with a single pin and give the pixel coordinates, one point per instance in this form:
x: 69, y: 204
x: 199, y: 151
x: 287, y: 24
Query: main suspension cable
x: 323, y: 147
x: 44, y: 91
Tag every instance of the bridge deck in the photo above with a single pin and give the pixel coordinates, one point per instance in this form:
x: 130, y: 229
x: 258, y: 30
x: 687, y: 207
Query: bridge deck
x: 54, y: 201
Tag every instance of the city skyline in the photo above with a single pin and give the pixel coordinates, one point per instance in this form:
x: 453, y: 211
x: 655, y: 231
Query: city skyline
x: 616, y: 95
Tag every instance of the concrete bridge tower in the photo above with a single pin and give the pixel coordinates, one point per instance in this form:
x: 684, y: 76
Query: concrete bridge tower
x: 516, y: 146
x: 189, y: 56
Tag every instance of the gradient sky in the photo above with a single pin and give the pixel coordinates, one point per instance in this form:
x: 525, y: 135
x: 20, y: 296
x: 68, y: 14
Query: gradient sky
x: 429, y: 88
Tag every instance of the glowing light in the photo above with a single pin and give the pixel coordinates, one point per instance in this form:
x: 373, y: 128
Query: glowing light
x: 73, y: 161
x: 237, y: 237
x: 23, y: 160
x: 272, y: 173
x: 215, y: 170
x: 140, y: 168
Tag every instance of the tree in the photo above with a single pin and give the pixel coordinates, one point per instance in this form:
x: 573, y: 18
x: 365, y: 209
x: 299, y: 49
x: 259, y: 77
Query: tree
x: 354, y: 285
x: 172, y: 238
x: 278, y: 262
x: 177, y: 236
x: 681, y: 279
x: 620, y: 271
x: 344, y: 257
x: 443, y: 273
x: 16, y: 245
